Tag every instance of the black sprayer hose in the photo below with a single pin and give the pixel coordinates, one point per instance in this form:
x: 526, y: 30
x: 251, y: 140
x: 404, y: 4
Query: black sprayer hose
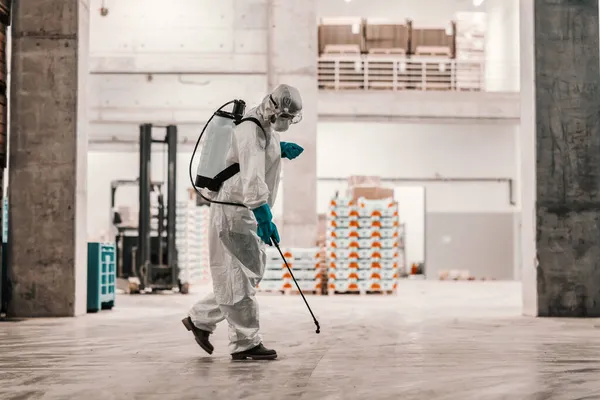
x: 298, y: 286
x: 192, y: 161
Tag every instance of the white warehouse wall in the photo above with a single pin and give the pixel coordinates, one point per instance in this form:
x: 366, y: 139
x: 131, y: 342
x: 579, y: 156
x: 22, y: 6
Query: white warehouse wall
x: 411, y: 209
x: 392, y: 150
x: 502, y: 46
x: 179, y: 36
x: 175, y: 64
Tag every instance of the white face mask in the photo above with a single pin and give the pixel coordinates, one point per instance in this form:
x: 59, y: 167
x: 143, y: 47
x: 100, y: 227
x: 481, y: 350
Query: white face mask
x: 281, y: 124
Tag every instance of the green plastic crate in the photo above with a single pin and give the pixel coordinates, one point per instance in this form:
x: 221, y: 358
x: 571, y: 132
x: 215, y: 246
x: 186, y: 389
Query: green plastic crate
x: 101, y: 288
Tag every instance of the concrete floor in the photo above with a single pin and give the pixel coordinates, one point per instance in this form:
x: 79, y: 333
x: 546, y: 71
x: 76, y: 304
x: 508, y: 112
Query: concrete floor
x: 436, y: 340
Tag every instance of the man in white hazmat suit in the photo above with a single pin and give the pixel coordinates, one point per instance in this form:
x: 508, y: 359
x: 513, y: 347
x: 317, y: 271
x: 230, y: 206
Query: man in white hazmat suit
x: 237, y: 235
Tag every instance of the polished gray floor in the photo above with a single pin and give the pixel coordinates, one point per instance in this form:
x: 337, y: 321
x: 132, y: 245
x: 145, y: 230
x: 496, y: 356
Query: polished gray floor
x: 436, y: 340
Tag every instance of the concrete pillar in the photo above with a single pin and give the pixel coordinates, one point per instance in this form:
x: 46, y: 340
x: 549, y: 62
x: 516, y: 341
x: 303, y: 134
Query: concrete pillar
x: 48, y: 156
x: 527, y: 171
x: 293, y: 60
x: 567, y: 140
x: 502, y: 46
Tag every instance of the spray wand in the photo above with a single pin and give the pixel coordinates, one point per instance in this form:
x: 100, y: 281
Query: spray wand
x: 298, y: 286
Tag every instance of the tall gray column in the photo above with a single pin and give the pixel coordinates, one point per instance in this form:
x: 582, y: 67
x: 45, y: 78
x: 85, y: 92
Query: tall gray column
x: 567, y: 126
x: 48, y: 156
x: 293, y: 60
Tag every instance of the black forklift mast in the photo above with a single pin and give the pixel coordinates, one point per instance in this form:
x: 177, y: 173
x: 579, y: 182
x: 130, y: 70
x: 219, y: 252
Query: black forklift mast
x: 145, y: 269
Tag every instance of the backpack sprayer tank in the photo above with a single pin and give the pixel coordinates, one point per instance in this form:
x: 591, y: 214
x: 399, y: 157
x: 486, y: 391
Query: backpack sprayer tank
x: 212, y: 170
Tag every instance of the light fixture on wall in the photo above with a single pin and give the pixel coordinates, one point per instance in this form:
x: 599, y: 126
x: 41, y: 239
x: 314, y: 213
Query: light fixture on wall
x: 402, y: 67
x: 477, y: 3
x: 355, y: 29
x: 357, y: 66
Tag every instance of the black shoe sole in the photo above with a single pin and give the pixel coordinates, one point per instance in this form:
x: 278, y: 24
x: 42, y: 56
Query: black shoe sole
x: 190, y: 327
x: 255, y: 357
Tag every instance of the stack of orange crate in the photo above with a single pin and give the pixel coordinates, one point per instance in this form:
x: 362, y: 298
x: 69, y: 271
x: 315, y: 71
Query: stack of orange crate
x: 305, y: 264
x: 363, y: 246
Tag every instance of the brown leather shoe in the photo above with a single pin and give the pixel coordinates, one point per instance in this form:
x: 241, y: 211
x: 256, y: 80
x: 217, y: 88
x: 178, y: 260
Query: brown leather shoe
x: 200, y: 335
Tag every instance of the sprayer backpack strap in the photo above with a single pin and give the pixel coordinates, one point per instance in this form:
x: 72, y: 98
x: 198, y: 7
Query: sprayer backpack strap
x: 256, y: 121
x: 233, y: 168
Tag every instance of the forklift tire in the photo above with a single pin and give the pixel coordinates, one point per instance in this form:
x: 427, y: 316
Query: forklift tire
x: 184, y: 288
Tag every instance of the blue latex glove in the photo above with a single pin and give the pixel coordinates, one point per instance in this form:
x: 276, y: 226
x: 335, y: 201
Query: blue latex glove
x: 290, y: 150
x: 267, y: 230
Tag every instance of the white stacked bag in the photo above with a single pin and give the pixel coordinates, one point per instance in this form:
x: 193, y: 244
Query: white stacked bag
x: 192, y: 242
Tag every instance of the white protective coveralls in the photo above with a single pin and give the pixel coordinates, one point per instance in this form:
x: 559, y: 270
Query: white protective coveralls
x: 237, y: 254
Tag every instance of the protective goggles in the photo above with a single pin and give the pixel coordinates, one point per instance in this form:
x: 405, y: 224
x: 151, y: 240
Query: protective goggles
x: 293, y: 118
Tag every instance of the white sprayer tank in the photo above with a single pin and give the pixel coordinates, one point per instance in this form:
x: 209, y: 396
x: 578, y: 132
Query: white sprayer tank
x: 217, y: 143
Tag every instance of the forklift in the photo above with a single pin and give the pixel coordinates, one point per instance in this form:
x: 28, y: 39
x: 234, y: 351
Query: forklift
x: 147, y: 253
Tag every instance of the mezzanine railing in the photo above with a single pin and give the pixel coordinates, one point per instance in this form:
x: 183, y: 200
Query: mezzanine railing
x: 375, y: 72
